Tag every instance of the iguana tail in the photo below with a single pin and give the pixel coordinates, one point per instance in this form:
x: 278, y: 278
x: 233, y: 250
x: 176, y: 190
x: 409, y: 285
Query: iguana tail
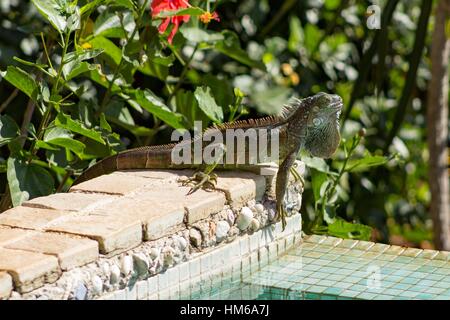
x: 155, y: 157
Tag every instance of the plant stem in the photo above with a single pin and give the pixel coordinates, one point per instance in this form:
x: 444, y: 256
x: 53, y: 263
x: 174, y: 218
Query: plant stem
x: 11, y: 97
x: 108, y: 94
x: 183, y: 74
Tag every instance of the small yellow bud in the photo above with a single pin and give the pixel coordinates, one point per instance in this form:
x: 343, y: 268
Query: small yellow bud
x: 86, y: 46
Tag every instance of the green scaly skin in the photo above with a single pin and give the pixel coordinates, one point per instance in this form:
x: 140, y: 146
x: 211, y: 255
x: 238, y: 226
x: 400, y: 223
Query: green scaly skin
x: 311, y: 124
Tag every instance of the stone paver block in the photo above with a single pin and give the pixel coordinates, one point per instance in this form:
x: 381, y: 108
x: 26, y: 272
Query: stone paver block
x: 199, y: 205
x: 30, y: 218
x: 158, y: 216
x: 10, y: 235
x: 71, y: 251
x: 5, y: 285
x: 74, y: 201
x: 114, y: 183
x: 114, y: 234
x: 241, y: 187
x: 29, y: 270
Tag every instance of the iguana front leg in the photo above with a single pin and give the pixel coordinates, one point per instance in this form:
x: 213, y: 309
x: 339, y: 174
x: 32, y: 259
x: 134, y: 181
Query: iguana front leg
x: 202, y: 179
x: 282, y: 183
x: 206, y: 178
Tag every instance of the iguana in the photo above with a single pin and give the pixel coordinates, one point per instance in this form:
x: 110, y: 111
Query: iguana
x: 311, y: 123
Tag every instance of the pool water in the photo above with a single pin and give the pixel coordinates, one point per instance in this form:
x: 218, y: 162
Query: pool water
x: 332, y: 268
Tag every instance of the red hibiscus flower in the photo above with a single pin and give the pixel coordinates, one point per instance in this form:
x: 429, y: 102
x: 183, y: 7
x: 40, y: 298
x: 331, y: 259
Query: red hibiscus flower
x: 170, y: 5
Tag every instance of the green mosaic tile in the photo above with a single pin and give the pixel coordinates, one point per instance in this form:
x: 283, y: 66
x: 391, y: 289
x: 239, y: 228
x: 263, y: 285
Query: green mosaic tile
x: 418, y: 275
x: 442, y: 255
x: 399, y: 286
x: 403, y: 259
x: 328, y: 297
x: 336, y: 277
x: 424, y: 296
x: 326, y: 283
x: 343, y: 285
x: 442, y: 284
x: 359, y: 287
x: 426, y: 283
x: 379, y: 247
x: 316, y: 289
x: 428, y: 254
x: 350, y: 293
x: 331, y: 241
x: 340, y: 251
x: 366, y: 296
x: 383, y: 297
x: 392, y: 278
x: 436, y: 291
x: 363, y: 245
x: 392, y: 292
x: 394, y: 250
x: 333, y: 291
x: 412, y: 252
x: 310, y: 281
x: 408, y: 294
x: 314, y: 239
x: 312, y: 296
x: 347, y: 243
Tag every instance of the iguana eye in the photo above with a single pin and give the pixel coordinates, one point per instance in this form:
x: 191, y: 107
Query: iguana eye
x: 317, y: 121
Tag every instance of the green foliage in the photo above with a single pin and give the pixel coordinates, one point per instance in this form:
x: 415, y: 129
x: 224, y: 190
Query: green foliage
x: 96, y: 77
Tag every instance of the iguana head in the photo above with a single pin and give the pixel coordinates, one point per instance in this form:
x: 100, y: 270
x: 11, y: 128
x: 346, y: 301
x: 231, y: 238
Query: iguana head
x: 322, y: 133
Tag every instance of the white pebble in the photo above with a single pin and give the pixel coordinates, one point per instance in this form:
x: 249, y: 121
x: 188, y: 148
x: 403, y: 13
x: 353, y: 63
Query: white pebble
x: 115, y: 274
x: 259, y: 208
x: 245, y: 218
x: 181, y: 243
x: 254, y: 225
x: 154, y: 253
x: 106, y: 269
x: 127, y: 265
x: 222, y: 228
x: 97, y: 285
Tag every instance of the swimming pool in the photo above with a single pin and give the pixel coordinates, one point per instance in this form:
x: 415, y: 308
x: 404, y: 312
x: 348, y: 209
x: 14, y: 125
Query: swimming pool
x: 332, y: 268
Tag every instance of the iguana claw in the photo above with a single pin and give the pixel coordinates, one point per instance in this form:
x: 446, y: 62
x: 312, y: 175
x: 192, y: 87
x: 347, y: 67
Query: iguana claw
x: 200, y: 180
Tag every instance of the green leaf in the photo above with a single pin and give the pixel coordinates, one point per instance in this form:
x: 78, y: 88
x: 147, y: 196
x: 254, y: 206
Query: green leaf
x: 27, y: 180
x: 109, y: 24
x: 192, y: 11
x: 74, y: 59
x: 343, y: 229
x: 150, y: 102
x: 365, y: 163
x: 66, y: 122
x: 108, y: 47
x: 8, y: 129
x: 53, y: 12
x: 312, y: 34
x: 22, y: 81
x: 198, y: 35
x: 231, y: 47
x: 296, y: 36
x: 208, y: 105
x: 104, y: 124
x: 318, y: 178
x: 316, y: 163
x: 61, y: 137
x: 87, y: 8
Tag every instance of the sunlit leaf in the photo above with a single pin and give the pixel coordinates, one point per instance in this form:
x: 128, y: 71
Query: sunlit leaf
x: 27, y: 181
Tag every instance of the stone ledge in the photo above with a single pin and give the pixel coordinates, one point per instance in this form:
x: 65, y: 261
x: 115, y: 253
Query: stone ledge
x: 102, y: 218
x: 71, y: 251
x: 29, y: 270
